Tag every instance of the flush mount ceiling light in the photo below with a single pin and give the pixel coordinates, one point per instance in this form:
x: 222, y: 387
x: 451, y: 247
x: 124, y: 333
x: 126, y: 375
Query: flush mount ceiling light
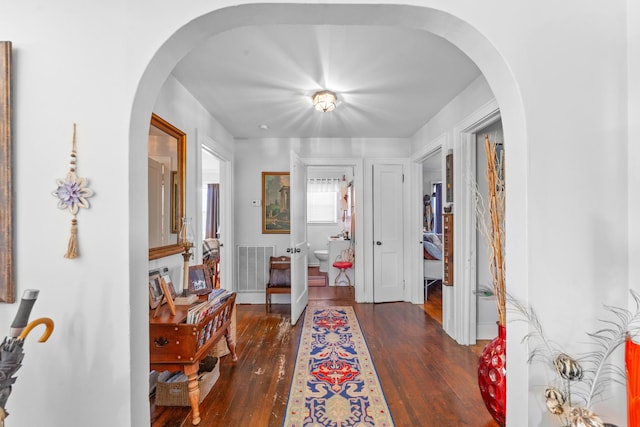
x: 324, y: 101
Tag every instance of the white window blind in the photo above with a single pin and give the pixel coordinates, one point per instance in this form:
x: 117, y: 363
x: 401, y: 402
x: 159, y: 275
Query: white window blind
x: 322, y: 200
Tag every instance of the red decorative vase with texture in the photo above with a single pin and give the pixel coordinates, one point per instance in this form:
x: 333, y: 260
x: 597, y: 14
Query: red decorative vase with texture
x: 492, y: 376
x: 632, y: 366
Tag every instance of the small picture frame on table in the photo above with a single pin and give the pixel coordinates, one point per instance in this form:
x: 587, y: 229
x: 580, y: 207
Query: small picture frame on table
x: 199, y: 280
x: 168, y: 295
x: 155, y: 289
x: 164, y: 274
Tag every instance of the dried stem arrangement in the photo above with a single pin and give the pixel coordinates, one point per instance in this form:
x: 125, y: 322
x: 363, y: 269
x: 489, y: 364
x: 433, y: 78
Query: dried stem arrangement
x: 581, y: 380
x: 493, y: 228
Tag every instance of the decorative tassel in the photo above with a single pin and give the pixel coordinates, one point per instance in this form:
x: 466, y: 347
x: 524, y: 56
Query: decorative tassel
x: 72, y: 193
x: 72, y: 247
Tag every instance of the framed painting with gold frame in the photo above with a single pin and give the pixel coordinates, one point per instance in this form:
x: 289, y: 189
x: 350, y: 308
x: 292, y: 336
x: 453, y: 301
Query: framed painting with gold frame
x: 275, y: 203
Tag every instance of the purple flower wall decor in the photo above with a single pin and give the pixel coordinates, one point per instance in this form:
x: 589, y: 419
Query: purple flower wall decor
x: 72, y: 193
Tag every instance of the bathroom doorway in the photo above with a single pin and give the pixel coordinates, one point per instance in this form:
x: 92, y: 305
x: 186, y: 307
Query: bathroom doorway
x: 330, y: 224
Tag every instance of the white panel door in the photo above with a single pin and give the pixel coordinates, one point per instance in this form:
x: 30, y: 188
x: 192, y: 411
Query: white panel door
x: 298, y: 244
x: 388, y: 208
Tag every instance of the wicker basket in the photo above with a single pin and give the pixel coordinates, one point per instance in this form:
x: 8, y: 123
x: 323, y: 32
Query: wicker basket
x: 177, y: 393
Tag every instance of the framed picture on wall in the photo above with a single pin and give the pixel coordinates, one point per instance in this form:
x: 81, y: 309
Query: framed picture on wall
x: 449, y: 178
x: 275, y: 203
x: 7, y: 287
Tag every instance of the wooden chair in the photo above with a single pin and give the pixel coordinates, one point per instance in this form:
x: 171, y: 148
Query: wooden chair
x: 211, y: 258
x: 279, y: 278
x: 214, y: 270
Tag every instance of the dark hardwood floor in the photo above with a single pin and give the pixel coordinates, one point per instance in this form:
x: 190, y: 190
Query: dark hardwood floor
x: 428, y: 379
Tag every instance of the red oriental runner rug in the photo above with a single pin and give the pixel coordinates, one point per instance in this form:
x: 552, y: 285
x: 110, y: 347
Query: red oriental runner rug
x: 334, y: 381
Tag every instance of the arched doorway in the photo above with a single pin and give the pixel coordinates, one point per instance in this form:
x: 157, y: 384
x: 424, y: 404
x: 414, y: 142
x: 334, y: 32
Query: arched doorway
x: 458, y: 32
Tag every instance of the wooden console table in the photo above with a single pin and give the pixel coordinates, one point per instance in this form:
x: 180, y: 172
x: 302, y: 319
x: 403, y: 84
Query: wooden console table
x: 176, y: 345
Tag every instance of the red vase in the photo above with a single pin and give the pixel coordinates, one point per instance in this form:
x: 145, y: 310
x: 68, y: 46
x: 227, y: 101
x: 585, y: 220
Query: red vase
x: 632, y: 366
x: 492, y: 376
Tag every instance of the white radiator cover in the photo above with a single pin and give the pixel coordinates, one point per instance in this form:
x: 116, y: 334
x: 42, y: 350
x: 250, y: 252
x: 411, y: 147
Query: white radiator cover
x: 252, y: 272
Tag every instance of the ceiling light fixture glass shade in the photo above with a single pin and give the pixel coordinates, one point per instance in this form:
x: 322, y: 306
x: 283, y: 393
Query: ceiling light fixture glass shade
x: 324, y: 101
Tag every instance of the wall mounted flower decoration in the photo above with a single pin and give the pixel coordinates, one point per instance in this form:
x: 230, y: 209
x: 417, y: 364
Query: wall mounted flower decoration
x: 72, y: 193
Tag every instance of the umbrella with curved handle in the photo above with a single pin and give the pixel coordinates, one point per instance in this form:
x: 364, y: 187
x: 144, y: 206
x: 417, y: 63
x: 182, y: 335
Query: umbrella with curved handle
x: 41, y: 321
x: 11, y: 349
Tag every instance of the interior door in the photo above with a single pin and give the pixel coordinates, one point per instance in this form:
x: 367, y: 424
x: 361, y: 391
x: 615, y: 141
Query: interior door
x: 388, y: 221
x: 298, y: 243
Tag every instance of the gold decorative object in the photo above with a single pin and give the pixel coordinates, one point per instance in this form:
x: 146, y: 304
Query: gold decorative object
x: 581, y: 380
x: 186, y: 239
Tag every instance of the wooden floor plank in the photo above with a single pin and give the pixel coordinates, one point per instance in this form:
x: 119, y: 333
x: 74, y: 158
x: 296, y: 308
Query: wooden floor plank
x: 428, y: 379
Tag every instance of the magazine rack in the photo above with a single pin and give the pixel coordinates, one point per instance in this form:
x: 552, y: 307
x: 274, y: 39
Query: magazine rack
x: 176, y: 345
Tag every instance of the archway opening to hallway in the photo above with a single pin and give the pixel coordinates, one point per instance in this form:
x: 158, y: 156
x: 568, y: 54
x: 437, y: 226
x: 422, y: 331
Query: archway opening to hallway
x: 464, y: 36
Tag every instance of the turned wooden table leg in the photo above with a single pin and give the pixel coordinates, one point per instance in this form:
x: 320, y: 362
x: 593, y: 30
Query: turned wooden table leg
x: 191, y: 371
x: 231, y: 344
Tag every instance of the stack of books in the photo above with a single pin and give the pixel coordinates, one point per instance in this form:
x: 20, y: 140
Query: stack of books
x: 198, y: 312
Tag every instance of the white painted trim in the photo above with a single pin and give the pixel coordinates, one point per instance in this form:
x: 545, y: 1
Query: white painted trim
x: 485, y: 331
x: 227, y: 211
x: 415, y: 225
x: 464, y: 328
x: 414, y: 203
x: 439, y: 143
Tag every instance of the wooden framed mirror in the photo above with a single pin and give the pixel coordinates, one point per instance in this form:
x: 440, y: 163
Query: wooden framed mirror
x: 167, y: 153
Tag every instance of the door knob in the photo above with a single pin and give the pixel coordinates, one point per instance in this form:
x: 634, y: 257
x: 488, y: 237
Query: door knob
x: 221, y: 245
x: 288, y: 250
x: 297, y: 250
x: 378, y: 243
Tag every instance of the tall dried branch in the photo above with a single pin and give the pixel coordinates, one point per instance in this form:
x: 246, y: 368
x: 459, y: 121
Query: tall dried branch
x: 490, y: 222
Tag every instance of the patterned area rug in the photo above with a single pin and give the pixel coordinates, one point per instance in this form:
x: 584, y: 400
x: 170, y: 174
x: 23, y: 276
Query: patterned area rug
x: 334, y: 381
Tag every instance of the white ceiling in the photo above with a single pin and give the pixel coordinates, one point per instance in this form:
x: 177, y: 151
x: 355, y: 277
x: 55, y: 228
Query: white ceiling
x: 390, y: 81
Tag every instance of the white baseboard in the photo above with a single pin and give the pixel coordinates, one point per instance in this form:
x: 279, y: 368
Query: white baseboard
x: 486, y: 331
x: 259, y: 298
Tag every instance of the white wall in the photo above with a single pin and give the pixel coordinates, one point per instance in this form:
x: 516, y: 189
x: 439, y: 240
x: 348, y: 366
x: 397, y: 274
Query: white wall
x: 466, y: 102
x: 177, y: 106
x: 97, y: 66
x: 272, y: 155
x: 633, y: 51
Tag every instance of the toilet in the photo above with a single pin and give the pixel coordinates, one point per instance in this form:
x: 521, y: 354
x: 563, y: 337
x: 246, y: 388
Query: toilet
x: 323, y: 256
